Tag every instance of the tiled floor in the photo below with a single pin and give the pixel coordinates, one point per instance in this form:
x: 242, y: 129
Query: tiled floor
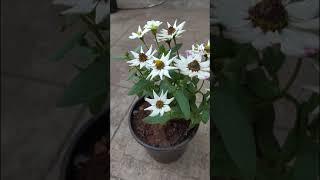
x: 129, y: 160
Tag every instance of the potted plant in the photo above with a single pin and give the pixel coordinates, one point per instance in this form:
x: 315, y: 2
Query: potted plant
x: 253, y: 40
x: 87, y: 153
x: 167, y: 114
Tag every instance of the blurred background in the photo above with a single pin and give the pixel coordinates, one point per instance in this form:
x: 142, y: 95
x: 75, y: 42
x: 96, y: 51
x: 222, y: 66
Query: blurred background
x: 34, y: 132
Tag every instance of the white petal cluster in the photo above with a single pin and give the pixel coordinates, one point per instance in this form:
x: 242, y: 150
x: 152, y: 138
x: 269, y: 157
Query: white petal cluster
x: 203, y: 50
x: 159, y: 104
x: 142, y: 59
x: 139, y: 34
x: 171, y: 32
x: 161, y: 66
x: 298, y: 38
x: 193, y: 66
x: 152, y: 25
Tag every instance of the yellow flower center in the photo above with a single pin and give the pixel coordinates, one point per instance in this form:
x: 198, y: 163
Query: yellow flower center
x: 171, y: 30
x: 194, y: 66
x: 143, y: 57
x: 269, y: 15
x: 159, y: 104
x: 159, y: 64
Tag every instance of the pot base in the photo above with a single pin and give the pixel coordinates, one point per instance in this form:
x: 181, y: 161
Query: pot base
x: 163, y: 154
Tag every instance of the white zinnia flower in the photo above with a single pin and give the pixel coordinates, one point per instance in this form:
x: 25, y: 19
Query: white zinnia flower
x: 142, y: 59
x: 172, y: 31
x: 153, y: 25
x: 193, y: 66
x: 86, y: 6
x: 160, y: 67
x: 293, y: 25
x: 203, y: 50
x: 139, y: 34
x: 159, y: 104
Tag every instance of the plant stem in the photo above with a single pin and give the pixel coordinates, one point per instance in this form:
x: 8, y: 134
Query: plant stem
x: 144, y: 42
x: 175, y: 43
x: 168, y: 42
x: 155, y: 36
x: 283, y: 92
x: 292, y: 99
x: 93, y: 29
x: 200, y: 87
x: 293, y: 77
x: 139, y: 71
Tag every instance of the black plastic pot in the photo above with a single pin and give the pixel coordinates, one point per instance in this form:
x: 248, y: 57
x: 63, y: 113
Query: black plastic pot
x: 162, y: 154
x: 82, y: 142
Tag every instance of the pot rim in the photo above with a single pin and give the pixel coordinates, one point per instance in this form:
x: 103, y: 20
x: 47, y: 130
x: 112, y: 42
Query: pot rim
x: 74, y: 139
x: 177, y: 146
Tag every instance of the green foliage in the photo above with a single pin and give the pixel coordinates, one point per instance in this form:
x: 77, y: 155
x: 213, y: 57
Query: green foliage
x: 139, y: 87
x: 175, y: 113
x: 246, y: 87
x: 89, y: 86
x: 178, y: 86
x: 234, y: 127
x: 183, y: 102
x: 272, y: 59
x: 70, y: 44
x: 260, y: 85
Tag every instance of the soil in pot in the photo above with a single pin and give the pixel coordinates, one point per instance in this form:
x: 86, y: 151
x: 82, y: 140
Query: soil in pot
x: 170, y: 134
x: 87, y: 157
x: 95, y: 166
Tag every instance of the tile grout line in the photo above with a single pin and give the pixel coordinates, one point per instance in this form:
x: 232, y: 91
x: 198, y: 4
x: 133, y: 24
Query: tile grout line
x: 115, y: 132
x: 34, y: 79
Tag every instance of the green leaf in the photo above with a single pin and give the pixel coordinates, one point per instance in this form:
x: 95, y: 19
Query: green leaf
x: 195, y: 80
x: 223, y: 165
x: 223, y: 47
x: 267, y: 142
x: 272, y: 59
x: 88, y: 84
x: 175, y: 49
x: 183, y: 103
x: 162, y: 50
x: 74, y: 41
x: 96, y: 103
x: 195, y: 119
x: 231, y: 115
x: 312, y: 103
x: 139, y: 87
x: 175, y: 113
x: 246, y: 54
x: 69, y: 21
x: 205, y: 114
x: 289, y: 148
x: 267, y: 172
x: 307, y: 161
x: 157, y: 119
x: 261, y: 85
x: 165, y: 85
